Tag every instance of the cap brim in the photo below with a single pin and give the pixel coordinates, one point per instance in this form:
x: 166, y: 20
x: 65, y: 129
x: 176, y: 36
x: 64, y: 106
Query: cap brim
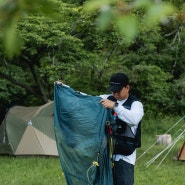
x: 115, y: 89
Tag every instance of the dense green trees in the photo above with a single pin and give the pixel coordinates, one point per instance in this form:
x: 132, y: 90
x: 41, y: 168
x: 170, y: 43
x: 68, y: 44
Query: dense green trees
x: 73, y: 49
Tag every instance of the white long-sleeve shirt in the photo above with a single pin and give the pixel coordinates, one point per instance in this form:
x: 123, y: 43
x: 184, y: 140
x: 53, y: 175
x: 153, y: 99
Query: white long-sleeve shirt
x: 132, y: 117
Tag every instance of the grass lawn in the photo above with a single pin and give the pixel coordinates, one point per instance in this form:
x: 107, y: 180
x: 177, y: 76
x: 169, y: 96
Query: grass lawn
x: 30, y: 171
x: 169, y: 172
x: 47, y: 171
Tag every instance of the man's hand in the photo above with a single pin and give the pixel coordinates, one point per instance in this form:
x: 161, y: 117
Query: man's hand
x: 107, y: 103
x: 59, y: 82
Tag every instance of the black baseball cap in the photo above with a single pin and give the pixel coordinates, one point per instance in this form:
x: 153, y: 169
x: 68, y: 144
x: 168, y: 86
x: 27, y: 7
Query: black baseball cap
x: 117, y: 82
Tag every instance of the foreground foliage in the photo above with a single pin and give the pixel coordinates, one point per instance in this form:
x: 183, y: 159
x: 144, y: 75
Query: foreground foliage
x: 72, y: 49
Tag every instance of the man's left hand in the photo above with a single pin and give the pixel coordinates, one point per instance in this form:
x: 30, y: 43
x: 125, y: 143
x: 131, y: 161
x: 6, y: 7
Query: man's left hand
x: 107, y: 103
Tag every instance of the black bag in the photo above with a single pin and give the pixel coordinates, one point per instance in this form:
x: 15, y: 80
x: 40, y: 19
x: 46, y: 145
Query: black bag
x: 126, y: 145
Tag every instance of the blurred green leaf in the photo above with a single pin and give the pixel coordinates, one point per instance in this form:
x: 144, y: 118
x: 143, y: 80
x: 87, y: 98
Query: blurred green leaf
x: 12, y: 42
x: 105, y: 18
x: 46, y: 7
x: 142, y: 3
x: 127, y: 26
x: 158, y: 12
x: 1, y: 2
x: 11, y: 11
x: 93, y: 5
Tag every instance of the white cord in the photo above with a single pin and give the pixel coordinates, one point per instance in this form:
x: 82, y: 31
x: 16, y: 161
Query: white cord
x: 169, y: 146
x: 157, y: 141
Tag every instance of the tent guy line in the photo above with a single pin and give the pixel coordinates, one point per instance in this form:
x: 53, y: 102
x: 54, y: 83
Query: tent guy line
x: 157, y: 141
x: 170, y: 147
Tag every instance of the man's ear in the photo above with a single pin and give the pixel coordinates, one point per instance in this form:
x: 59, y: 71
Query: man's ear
x: 128, y: 87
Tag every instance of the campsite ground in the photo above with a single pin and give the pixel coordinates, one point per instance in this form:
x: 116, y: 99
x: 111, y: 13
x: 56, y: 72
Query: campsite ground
x: 47, y: 171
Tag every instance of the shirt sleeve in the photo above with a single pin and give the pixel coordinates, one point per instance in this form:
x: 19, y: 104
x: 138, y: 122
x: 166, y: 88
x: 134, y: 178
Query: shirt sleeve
x: 133, y: 116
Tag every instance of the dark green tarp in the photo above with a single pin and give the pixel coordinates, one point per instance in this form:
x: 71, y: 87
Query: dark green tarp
x: 79, y: 122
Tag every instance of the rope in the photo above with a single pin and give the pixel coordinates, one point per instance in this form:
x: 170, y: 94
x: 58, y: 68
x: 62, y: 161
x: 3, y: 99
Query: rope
x: 94, y: 164
x: 110, y: 140
x: 169, y: 146
x: 111, y: 146
x: 167, y: 153
x: 157, y: 141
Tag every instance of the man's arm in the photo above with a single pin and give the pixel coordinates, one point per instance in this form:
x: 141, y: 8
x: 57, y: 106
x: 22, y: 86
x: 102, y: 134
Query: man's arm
x: 132, y: 116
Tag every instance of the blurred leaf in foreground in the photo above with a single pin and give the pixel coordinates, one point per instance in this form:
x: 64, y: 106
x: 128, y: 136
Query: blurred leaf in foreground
x: 127, y: 15
x: 11, y: 11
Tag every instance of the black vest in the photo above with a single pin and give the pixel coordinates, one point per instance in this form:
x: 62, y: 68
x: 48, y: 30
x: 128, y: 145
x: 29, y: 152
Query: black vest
x: 123, y: 132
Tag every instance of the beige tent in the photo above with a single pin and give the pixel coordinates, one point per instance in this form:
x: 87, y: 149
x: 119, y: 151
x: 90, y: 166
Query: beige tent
x: 28, y: 131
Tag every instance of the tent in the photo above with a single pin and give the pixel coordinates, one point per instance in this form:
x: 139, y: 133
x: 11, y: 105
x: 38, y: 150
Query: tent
x: 28, y: 131
x: 181, y: 155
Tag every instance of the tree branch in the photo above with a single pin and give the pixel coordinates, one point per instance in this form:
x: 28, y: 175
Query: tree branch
x: 23, y: 85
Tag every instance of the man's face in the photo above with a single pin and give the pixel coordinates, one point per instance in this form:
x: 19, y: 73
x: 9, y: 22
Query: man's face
x: 123, y: 94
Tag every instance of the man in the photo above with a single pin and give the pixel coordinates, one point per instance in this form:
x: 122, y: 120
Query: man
x: 123, y: 169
